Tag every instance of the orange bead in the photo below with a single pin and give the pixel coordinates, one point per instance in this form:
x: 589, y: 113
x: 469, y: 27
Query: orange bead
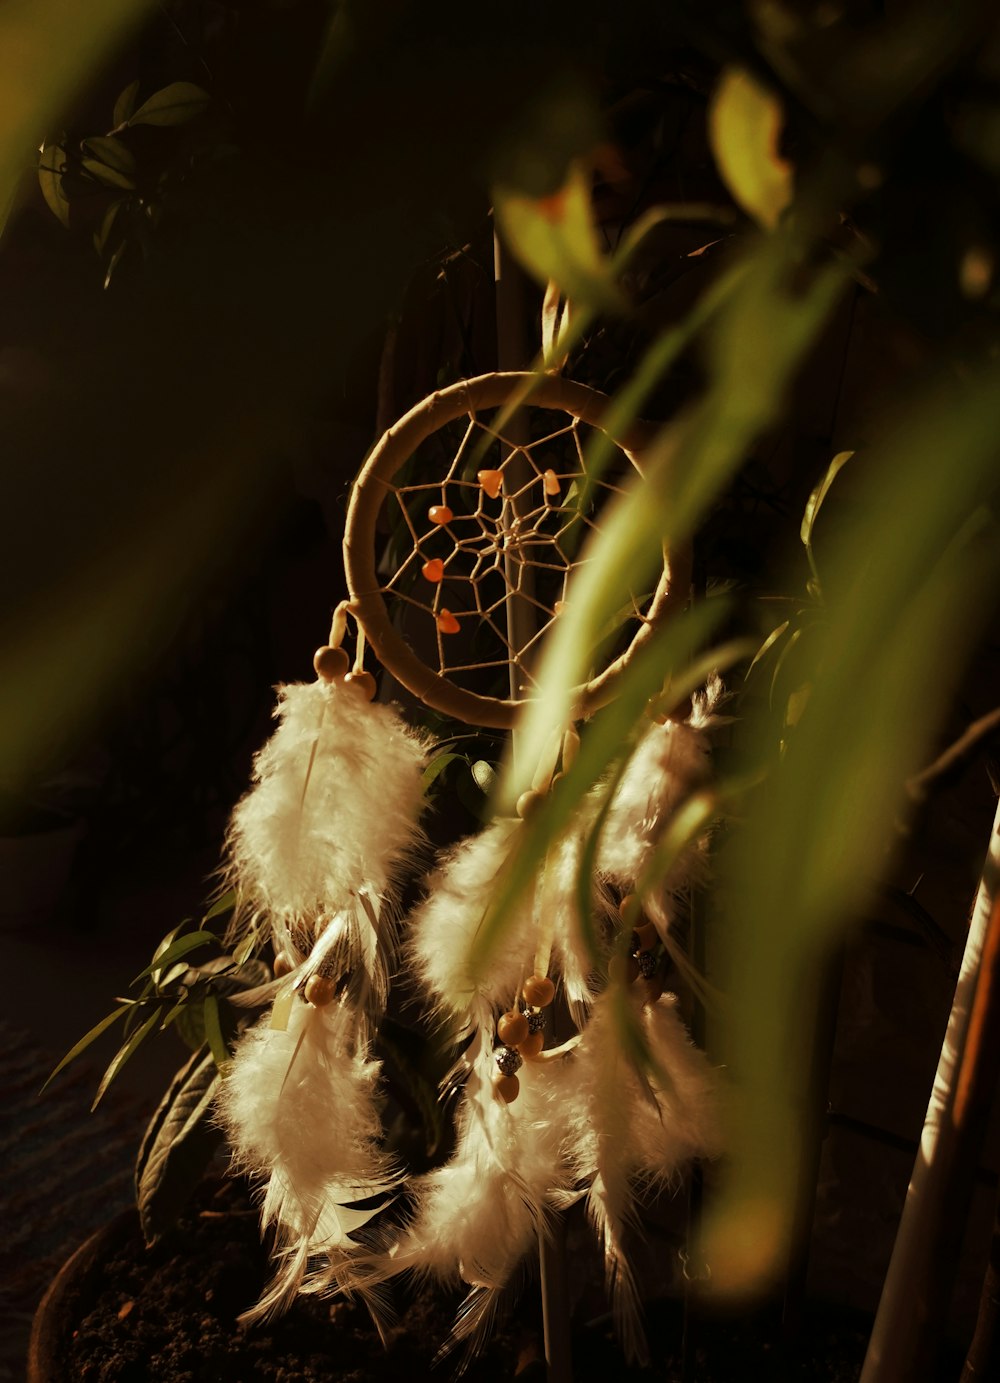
x: 507, y: 1087
x: 433, y: 570
x: 538, y: 991
x: 532, y: 1045
x: 440, y: 514
x: 330, y: 663
x: 559, y: 607
x: 364, y: 682
x: 528, y: 803
x: 320, y: 990
x: 283, y: 965
x: 550, y: 483
x: 447, y: 622
x: 647, y: 935
x: 512, y: 1029
x: 491, y: 482
x: 630, y: 909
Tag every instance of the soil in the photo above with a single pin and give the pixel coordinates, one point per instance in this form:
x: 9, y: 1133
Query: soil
x: 169, y: 1315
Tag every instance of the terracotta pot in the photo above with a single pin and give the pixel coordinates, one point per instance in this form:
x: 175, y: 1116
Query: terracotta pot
x: 68, y: 1299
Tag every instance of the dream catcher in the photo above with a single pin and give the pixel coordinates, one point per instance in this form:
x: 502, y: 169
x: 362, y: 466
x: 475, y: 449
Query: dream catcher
x: 482, y: 500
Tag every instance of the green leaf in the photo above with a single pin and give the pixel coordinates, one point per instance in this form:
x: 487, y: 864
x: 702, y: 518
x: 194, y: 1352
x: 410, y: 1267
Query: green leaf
x: 86, y: 1040
x: 744, y: 126
x: 107, y: 225
x: 174, y: 951
x: 172, y: 105
x: 125, y: 104
x: 109, y: 177
x: 435, y: 768
x: 555, y: 238
x: 225, y: 903
x: 190, y: 1024
x: 213, y: 1033
x: 815, y: 500
x: 51, y: 166
x: 178, y: 1145
x: 111, y: 152
x: 767, y: 645
x: 123, y: 1054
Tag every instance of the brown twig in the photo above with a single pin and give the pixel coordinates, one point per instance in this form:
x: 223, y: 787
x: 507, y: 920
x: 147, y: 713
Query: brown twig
x: 949, y: 764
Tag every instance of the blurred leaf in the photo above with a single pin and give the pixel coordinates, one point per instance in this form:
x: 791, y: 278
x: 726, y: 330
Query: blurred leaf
x: 178, y: 1145
x: 113, y: 263
x: 172, y: 105
x: 107, y: 225
x: 86, y: 1040
x: 39, y: 73
x: 125, y: 104
x: 123, y: 1054
x: 555, y: 238
x: 51, y: 163
x: 744, y: 126
x: 904, y: 586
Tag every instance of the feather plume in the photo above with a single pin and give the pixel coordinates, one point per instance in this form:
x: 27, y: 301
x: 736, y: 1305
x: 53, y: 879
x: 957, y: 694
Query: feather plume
x: 298, y: 1107
x: 329, y: 823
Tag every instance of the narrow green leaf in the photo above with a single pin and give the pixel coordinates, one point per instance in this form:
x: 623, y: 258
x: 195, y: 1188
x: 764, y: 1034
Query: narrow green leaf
x: 107, y: 225
x: 767, y: 645
x: 89, y: 1037
x: 817, y: 497
x: 124, y: 1053
x: 246, y: 948
x: 125, y: 104
x: 110, y: 177
x: 111, y: 152
x: 213, y: 1033
x: 744, y: 127
x: 178, y: 1145
x: 435, y: 768
x: 51, y: 166
x: 174, y: 951
x: 172, y: 105
x: 225, y: 903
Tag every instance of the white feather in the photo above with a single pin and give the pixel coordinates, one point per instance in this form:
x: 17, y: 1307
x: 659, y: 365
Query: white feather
x: 331, y: 815
x: 298, y: 1107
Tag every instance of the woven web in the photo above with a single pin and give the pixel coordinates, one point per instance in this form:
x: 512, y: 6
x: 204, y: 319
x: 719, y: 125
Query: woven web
x: 519, y: 545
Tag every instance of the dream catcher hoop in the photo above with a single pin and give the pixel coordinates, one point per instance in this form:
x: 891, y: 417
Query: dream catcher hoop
x: 517, y: 520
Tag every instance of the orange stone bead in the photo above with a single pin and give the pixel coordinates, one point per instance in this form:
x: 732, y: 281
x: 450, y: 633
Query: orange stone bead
x: 283, y: 965
x: 320, y: 990
x: 440, y: 514
x: 647, y: 935
x: 364, y: 682
x: 433, y: 570
x: 491, y: 482
x: 538, y: 991
x: 447, y: 622
x: 559, y: 607
x: 512, y: 1029
x: 507, y: 1087
x: 624, y: 968
x: 550, y: 483
x: 330, y: 663
x: 532, y: 1045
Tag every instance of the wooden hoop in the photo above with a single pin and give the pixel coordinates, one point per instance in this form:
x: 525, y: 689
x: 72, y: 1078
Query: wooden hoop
x: 374, y: 483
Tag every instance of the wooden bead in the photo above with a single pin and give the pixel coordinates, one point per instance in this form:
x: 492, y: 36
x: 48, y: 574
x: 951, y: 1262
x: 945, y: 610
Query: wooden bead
x: 550, y: 483
x: 528, y: 803
x: 364, y: 682
x: 532, y: 1045
x: 440, y: 514
x: 433, y: 570
x: 507, y: 1087
x: 491, y: 481
x: 330, y: 663
x: 320, y: 990
x: 539, y: 991
x: 447, y: 622
x: 630, y: 909
x: 283, y: 965
x: 512, y: 1029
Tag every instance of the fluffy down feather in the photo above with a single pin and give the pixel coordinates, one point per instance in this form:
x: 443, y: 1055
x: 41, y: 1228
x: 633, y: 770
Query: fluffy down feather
x: 332, y: 812
x: 298, y: 1107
